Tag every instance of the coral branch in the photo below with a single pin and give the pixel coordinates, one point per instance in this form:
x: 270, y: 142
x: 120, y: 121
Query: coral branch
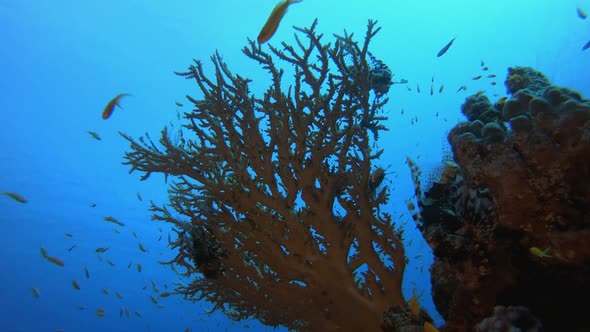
x: 256, y: 187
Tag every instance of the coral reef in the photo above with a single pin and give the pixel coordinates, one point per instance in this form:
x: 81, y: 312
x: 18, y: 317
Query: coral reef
x: 257, y: 181
x: 510, y: 319
x: 510, y: 223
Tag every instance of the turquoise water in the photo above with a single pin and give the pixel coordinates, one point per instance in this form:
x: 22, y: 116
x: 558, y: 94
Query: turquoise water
x: 62, y: 61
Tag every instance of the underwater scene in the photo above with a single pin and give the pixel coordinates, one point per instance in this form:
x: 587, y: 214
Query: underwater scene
x: 294, y: 165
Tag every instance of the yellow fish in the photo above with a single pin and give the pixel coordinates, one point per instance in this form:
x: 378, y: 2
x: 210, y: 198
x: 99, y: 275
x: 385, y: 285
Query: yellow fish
x: 100, y: 312
x: 272, y: 23
x: 540, y: 253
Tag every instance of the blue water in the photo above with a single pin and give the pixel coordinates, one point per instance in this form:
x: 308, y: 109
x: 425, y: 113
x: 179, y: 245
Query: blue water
x: 62, y: 61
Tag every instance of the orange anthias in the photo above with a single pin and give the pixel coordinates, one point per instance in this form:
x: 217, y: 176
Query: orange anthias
x: 108, y: 110
x: 272, y: 23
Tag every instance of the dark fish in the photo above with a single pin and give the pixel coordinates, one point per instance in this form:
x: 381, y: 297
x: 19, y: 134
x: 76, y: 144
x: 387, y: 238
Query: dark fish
x: 15, y: 196
x: 442, y: 87
x: 445, y: 48
x: 431, y: 90
x: 581, y: 13
x: 476, y: 77
x: 179, y: 104
x: 585, y: 47
x: 113, y: 220
x: 94, y: 135
x: 418, y: 88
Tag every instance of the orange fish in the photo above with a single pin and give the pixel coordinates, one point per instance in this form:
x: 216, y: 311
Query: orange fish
x: 272, y: 23
x: 108, y: 110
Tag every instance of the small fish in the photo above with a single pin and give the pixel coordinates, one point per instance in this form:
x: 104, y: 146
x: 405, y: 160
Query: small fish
x: 493, y: 83
x: 491, y: 76
x: 43, y: 252
x: 68, y: 234
x: 116, y: 231
x: 138, y: 267
x: 464, y: 87
x: 179, y: 104
x: 476, y: 77
x: 481, y: 64
x: 431, y: 90
x: 17, y: 197
x: 134, y: 234
x: 108, y: 110
x: 100, y: 250
x: 94, y: 135
x: 403, y: 81
x: 480, y: 92
x: 586, y: 46
x: 485, y: 68
x: 121, y: 311
x: 142, y: 248
x: 408, y: 87
x: 76, y: 285
x: 55, y: 261
x: 137, y: 313
x: 153, y: 299
x: 164, y: 294
x: 581, y: 13
x: 160, y: 306
x: 110, y: 262
x: 272, y: 23
x: 36, y: 292
x: 72, y: 247
x: 82, y: 307
x: 417, y: 88
x: 118, y: 295
x: 113, y: 220
x: 86, y: 273
x: 540, y: 253
x: 100, y: 312
x: 445, y: 48
x: 92, y: 205
x: 442, y: 87
x: 127, y: 313
x: 105, y: 291
x: 139, y: 197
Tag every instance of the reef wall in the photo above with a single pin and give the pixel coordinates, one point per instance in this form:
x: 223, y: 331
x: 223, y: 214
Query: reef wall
x: 509, y: 222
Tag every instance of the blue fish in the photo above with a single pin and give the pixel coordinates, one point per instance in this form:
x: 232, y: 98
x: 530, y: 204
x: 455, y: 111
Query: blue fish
x: 445, y: 48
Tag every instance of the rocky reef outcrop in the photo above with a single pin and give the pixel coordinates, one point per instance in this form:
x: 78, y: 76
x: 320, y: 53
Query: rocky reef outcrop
x: 509, y: 222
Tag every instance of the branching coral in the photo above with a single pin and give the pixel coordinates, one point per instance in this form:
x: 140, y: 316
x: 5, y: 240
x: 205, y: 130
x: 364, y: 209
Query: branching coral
x: 256, y: 186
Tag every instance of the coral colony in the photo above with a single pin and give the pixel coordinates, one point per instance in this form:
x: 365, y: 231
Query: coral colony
x: 276, y: 199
